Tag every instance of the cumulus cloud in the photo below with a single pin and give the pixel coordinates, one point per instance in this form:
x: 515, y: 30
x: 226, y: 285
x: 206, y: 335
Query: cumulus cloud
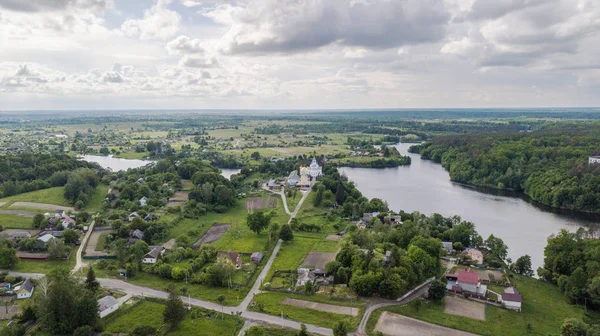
x: 53, y: 5
x: 185, y: 45
x: 159, y: 23
x: 289, y: 26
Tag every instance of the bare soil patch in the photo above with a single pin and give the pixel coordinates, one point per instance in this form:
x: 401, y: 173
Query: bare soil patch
x: 40, y: 206
x: 322, y: 307
x: 187, y: 185
x: 258, y: 203
x: 22, y: 213
x: 90, y: 249
x: 463, y: 307
x: 212, y: 235
x: 180, y: 196
x: 174, y: 204
x: 334, y: 237
x: 398, y: 325
x: 318, y: 259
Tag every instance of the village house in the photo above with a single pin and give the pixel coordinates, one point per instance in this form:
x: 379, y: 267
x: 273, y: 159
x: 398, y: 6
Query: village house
x: 271, y: 184
x: 46, y: 238
x: 135, y: 235
x: 511, y: 299
x: 305, y: 275
x: 143, y: 201
x: 152, y: 256
x: 107, y: 305
x: 132, y: 216
x: 18, y: 235
x: 465, y: 281
x: 67, y: 221
x: 475, y: 255
x: 395, y: 220
x: 593, y: 159
x: 25, y: 291
x: 447, y: 246
x: 256, y: 257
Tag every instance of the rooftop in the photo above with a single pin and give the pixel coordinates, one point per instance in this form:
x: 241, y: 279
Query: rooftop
x: 468, y: 277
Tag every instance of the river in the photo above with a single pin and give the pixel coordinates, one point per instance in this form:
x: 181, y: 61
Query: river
x: 117, y: 164
x: 425, y: 186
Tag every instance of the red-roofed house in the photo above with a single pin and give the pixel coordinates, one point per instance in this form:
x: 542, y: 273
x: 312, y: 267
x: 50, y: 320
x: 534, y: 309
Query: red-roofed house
x: 468, y: 280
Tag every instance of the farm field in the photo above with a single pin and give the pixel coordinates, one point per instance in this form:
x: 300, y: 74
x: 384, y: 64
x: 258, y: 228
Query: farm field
x: 544, y: 308
x: 15, y: 222
x: 46, y: 196
x: 273, y: 303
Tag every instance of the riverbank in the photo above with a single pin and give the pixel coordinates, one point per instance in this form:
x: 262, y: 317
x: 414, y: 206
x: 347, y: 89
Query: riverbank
x: 371, y: 162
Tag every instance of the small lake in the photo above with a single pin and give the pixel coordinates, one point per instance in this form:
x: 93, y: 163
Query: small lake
x: 425, y: 186
x: 117, y: 164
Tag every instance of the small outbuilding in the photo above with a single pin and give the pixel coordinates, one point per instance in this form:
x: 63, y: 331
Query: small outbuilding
x: 256, y: 257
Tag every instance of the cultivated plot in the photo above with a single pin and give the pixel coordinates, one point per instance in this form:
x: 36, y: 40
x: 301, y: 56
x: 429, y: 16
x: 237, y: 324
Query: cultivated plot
x: 398, y: 325
x: 462, y: 307
x: 212, y: 235
x: 350, y: 311
x: 318, y: 260
x: 258, y: 203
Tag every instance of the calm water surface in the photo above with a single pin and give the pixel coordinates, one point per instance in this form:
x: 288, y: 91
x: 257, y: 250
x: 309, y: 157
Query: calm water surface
x: 117, y: 164
x: 425, y: 186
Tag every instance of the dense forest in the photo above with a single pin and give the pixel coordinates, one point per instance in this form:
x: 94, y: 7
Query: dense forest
x: 28, y: 172
x: 551, y: 166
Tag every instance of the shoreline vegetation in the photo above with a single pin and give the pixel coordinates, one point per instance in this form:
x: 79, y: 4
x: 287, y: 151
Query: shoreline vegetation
x: 549, y: 167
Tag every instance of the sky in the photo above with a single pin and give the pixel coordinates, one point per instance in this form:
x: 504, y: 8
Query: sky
x: 298, y: 54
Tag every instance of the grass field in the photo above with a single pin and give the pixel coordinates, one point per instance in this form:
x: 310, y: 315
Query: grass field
x: 48, y: 196
x: 101, y: 242
x: 292, y: 253
x: 272, y: 304
x: 97, y: 199
x: 15, y: 222
x: 544, y: 308
x: 196, y: 322
x: 232, y: 297
x: 33, y: 266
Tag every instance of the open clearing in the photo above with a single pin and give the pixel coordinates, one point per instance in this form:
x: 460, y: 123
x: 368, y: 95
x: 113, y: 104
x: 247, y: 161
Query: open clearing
x: 318, y: 260
x: 334, y: 237
x: 40, y: 206
x: 490, y: 275
x: 90, y: 249
x: 174, y: 204
x: 212, y: 235
x: 398, y: 325
x: 463, y: 307
x: 180, y: 196
x: 21, y: 213
x: 350, y: 311
x: 261, y: 203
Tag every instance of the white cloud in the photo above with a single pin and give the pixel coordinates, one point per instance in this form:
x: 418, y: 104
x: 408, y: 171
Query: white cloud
x: 159, y: 22
x: 185, y: 45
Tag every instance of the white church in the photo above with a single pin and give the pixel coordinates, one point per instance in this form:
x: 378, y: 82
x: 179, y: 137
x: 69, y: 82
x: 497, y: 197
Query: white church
x: 314, y: 169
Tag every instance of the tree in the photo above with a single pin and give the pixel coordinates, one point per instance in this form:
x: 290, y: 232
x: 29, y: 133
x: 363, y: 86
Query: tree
x: 574, y: 327
x: 523, y: 266
x: 340, y: 329
x: 258, y: 221
x: 70, y: 236
x: 8, y: 257
x: 67, y: 305
x: 309, y: 287
x: 56, y: 249
x: 221, y: 300
x: 174, y: 310
x: 37, y: 220
x: 496, y: 247
x: 83, y: 331
x: 273, y: 232
x: 91, y: 283
x: 255, y: 331
x: 255, y: 156
x: 303, y: 331
x: 143, y: 331
x: 340, y: 194
x: 392, y: 286
x: 437, y: 290
x: 286, y: 233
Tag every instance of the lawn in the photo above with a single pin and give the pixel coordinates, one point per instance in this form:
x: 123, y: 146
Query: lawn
x: 271, y: 303
x: 544, y: 309
x: 239, y: 237
x: 292, y: 253
x: 101, y: 240
x: 232, y: 297
x: 97, y: 199
x: 144, y: 313
x: 33, y: 266
x: 15, y: 222
x: 47, y: 196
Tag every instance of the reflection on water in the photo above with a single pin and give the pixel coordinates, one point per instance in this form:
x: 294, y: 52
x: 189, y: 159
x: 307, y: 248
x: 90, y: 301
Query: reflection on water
x: 425, y: 186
